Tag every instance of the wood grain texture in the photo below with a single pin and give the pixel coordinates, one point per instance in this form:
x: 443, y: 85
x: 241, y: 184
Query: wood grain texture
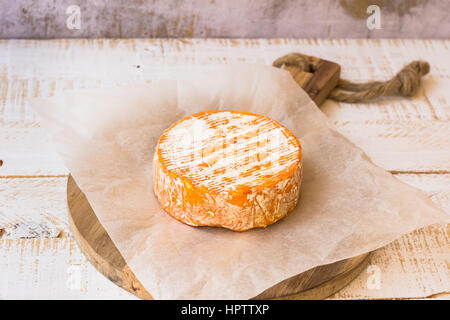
x: 51, y: 269
x: 420, y: 125
x: 401, y: 135
x: 415, y: 266
x: 96, y: 244
x: 397, y: 146
x: 320, y: 81
x: 43, y: 200
x: 402, y: 263
x: 316, y: 283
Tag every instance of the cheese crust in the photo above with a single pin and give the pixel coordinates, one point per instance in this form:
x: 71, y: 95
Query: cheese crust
x: 228, y: 169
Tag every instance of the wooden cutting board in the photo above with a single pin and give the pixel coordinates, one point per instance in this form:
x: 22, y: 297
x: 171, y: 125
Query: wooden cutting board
x: 316, y: 283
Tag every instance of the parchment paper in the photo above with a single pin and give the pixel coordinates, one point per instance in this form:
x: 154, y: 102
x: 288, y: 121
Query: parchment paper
x: 348, y: 205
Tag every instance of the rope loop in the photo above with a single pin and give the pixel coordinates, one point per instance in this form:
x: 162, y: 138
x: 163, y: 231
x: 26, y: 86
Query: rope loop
x: 406, y: 82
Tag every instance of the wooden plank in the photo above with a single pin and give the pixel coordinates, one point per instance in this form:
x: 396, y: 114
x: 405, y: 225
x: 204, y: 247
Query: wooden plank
x: 412, y: 267
x: 39, y: 68
x: 416, y: 266
x: 42, y: 200
x: 33, y: 208
x: 51, y: 269
x: 402, y: 146
x: 398, y: 146
x: 436, y: 186
x: 26, y: 150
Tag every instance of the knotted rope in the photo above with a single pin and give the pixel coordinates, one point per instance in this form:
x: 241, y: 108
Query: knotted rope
x: 406, y: 82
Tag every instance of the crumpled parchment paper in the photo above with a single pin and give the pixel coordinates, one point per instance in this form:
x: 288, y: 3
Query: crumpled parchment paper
x: 348, y: 205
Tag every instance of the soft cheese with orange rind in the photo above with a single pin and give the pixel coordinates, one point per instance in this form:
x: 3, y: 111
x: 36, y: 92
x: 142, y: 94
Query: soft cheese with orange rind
x: 229, y: 169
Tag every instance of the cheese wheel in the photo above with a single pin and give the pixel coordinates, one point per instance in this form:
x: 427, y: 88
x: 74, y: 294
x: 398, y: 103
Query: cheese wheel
x: 229, y: 169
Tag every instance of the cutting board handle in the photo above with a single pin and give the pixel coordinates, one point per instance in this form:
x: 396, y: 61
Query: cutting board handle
x: 320, y: 79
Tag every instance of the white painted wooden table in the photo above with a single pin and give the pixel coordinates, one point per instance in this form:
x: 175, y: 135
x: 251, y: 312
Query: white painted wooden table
x: 409, y: 137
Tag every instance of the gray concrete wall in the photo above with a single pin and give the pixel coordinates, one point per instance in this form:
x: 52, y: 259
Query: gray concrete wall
x: 222, y: 18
